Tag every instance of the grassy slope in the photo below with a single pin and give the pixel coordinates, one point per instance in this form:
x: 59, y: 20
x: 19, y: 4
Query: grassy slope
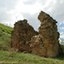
x: 5, y: 28
x: 25, y: 58
x: 5, y: 36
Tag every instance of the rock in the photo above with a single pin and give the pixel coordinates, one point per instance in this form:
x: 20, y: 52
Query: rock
x: 21, y: 36
x: 50, y: 34
x: 46, y: 43
x: 43, y: 43
x: 37, y: 45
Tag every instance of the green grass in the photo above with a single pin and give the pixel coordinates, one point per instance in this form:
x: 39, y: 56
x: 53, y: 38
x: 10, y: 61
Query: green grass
x: 5, y: 28
x: 25, y: 58
x: 5, y: 36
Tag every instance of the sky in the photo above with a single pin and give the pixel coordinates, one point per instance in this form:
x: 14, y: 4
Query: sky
x: 13, y: 10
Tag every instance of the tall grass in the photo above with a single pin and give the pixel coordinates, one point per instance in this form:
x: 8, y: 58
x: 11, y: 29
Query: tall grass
x: 25, y: 58
x: 5, y: 37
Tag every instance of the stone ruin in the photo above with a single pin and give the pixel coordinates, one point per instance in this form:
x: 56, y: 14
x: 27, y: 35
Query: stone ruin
x: 46, y: 43
x: 22, y: 35
x: 43, y: 43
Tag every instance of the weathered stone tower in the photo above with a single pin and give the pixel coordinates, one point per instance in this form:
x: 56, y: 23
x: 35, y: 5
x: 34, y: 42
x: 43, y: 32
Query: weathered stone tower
x: 46, y: 43
x: 50, y: 34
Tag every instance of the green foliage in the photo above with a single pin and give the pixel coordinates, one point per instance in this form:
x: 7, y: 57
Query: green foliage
x: 62, y: 48
x: 5, y: 28
x: 5, y: 37
x: 25, y: 58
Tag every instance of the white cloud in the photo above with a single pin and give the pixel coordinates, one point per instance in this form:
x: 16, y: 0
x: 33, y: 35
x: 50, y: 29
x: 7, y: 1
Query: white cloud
x: 21, y: 8
x: 62, y: 35
x: 13, y: 10
x: 53, y: 7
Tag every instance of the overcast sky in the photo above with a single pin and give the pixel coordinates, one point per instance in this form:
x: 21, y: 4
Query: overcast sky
x: 13, y: 10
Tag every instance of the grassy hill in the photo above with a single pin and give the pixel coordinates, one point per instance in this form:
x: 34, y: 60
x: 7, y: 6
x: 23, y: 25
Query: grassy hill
x: 11, y: 57
x: 5, y: 36
x: 25, y: 58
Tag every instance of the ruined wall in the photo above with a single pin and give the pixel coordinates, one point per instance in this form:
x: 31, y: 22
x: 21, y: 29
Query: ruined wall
x: 46, y: 43
x: 43, y: 43
x: 22, y: 35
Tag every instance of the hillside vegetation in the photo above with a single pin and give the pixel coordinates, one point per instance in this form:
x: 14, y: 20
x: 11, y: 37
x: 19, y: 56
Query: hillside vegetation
x: 25, y: 58
x: 5, y: 36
